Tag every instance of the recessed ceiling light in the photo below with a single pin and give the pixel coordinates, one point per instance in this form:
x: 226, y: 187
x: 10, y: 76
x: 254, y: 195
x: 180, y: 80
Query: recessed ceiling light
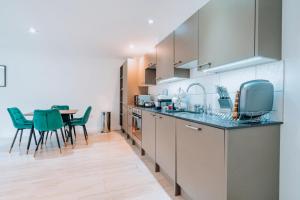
x: 32, y: 30
x: 131, y: 46
x: 150, y: 21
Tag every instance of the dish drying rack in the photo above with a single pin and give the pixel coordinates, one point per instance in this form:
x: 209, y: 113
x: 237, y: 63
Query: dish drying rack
x: 246, y: 117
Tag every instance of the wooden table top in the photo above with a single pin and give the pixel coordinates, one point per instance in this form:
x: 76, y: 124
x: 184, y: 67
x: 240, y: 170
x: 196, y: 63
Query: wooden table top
x: 63, y: 112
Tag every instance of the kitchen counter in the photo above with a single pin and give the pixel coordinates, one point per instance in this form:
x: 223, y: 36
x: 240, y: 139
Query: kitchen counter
x: 212, y: 120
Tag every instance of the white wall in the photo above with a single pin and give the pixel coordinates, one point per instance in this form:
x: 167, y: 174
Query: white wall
x: 232, y: 81
x: 290, y: 134
x: 37, y: 81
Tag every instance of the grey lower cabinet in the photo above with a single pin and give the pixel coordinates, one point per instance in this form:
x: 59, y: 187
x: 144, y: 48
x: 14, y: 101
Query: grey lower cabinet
x: 148, y: 130
x: 218, y: 164
x: 129, y: 121
x: 125, y: 118
x: 165, y: 145
x: 201, y: 161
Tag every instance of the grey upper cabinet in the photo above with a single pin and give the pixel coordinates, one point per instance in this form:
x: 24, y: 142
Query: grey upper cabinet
x: 150, y: 60
x: 226, y: 31
x: 236, y: 30
x: 165, y: 144
x: 165, y: 61
x: 186, y: 43
x: 165, y: 58
x: 148, y: 129
x: 201, y: 161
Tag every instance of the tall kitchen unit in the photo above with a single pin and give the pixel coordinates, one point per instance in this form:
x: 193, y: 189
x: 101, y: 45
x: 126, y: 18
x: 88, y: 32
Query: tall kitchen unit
x: 128, y: 88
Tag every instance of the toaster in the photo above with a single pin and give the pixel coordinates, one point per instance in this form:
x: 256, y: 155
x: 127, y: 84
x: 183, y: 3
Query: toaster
x: 256, y: 98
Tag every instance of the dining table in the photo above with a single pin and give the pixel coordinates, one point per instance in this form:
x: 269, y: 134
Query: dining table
x: 70, y: 113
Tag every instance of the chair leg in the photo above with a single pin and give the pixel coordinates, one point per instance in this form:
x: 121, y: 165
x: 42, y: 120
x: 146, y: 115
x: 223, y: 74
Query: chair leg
x: 21, y: 137
x: 29, y: 140
x: 58, y: 143
x: 70, y: 135
x: 63, y: 137
x: 66, y: 133
x: 74, y: 132
x: 47, y: 133
x: 42, y: 137
x: 14, y: 141
x: 85, y: 134
x: 34, y: 137
x: 40, y: 140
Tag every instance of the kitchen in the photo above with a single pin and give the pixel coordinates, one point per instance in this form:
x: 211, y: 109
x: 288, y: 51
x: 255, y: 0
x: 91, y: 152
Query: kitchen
x: 204, y: 108
x: 198, y: 99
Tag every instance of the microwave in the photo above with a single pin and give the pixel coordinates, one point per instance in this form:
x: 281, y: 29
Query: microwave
x: 140, y: 100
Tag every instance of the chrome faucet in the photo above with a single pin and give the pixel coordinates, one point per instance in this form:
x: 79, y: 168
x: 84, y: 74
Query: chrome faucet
x: 204, y: 94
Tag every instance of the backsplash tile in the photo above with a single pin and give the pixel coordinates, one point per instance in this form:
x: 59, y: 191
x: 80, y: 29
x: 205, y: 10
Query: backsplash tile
x: 272, y: 72
x: 232, y: 80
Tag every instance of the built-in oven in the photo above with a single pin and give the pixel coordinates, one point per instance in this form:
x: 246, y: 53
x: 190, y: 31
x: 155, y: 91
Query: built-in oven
x: 137, y: 124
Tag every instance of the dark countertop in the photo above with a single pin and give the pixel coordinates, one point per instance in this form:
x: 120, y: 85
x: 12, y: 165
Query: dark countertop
x: 211, y: 120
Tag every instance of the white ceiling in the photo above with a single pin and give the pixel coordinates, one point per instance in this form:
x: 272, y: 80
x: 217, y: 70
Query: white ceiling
x: 96, y: 27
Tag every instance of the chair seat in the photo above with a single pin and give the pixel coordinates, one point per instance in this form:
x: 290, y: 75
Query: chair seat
x: 76, y: 122
x: 26, y: 125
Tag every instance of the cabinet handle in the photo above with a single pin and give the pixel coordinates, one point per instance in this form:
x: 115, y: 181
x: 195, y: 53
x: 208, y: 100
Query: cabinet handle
x: 194, y: 128
x: 203, y: 65
x: 179, y: 62
x: 160, y: 117
x: 154, y: 115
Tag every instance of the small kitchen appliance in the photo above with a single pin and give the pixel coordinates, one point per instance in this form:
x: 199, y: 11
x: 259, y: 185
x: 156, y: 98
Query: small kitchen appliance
x: 163, y: 103
x: 141, y: 100
x: 255, y: 99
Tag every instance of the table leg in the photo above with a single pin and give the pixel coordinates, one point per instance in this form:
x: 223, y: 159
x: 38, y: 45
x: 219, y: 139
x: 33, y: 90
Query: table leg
x: 70, y: 135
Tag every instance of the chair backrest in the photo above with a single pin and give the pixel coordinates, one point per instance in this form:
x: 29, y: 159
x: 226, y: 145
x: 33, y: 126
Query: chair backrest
x: 87, y: 114
x: 65, y: 118
x: 47, y: 120
x: 16, y: 116
x: 60, y: 107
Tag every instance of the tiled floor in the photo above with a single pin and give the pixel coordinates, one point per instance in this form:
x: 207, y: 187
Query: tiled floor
x: 108, y: 168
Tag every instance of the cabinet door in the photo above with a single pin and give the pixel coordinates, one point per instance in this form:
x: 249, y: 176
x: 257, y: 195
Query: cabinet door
x: 165, y: 58
x: 129, y: 122
x: 148, y: 132
x: 165, y: 144
x: 201, y: 161
x: 150, y: 60
x: 226, y: 31
x: 186, y: 41
x: 125, y: 119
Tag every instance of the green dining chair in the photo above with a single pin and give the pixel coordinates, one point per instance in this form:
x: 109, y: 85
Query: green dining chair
x: 60, y: 107
x: 82, y: 122
x: 65, y: 119
x: 45, y: 121
x: 21, y: 123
